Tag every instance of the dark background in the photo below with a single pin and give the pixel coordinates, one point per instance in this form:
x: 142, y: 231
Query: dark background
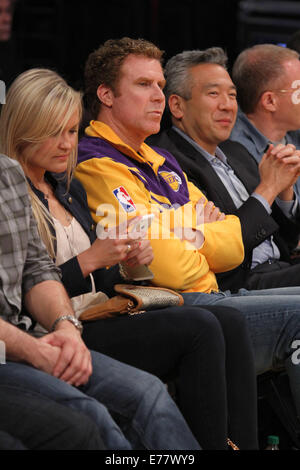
x: 61, y: 33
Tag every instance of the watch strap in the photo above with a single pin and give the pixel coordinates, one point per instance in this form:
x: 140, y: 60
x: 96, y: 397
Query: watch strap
x: 69, y: 318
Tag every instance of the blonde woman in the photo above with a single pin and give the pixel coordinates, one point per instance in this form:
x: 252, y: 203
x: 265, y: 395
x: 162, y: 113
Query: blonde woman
x: 207, y: 350
x: 29, y: 133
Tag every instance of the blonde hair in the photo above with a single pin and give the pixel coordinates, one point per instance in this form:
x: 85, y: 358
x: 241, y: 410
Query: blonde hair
x: 39, y: 104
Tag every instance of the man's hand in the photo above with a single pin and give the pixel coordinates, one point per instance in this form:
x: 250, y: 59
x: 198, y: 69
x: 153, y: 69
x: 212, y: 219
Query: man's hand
x: 73, y: 364
x: 45, y: 356
x: 207, y: 213
x: 279, y: 170
x: 69, y: 359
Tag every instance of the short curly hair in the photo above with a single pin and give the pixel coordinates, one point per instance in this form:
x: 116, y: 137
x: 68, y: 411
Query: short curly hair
x: 104, y: 64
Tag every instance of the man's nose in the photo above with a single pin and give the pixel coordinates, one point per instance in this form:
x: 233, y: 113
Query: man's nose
x: 226, y: 102
x: 158, y: 93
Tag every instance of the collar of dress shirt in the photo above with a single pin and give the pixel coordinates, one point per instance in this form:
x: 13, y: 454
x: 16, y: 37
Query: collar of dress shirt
x: 260, y: 141
x: 219, y: 154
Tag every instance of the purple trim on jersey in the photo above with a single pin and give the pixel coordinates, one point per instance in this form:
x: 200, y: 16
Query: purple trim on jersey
x: 96, y: 147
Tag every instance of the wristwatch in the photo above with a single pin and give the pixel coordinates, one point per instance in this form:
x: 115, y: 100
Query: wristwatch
x: 69, y: 318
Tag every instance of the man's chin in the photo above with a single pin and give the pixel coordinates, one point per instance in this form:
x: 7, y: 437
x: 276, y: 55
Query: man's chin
x: 224, y: 135
x: 154, y: 130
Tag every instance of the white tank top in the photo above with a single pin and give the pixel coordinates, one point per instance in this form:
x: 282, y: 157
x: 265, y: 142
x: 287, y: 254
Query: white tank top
x: 72, y: 240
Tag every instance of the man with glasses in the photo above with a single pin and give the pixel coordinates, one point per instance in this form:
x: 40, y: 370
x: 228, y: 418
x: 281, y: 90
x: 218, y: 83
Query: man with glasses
x: 267, y: 78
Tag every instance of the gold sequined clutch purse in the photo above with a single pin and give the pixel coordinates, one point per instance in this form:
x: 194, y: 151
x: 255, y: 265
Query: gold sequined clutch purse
x: 133, y: 299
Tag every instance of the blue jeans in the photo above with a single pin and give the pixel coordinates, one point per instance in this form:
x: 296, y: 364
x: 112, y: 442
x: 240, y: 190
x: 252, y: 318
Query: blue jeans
x: 273, y: 317
x: 8, y: 442
x: 29, y: 421
x: 147, y: 416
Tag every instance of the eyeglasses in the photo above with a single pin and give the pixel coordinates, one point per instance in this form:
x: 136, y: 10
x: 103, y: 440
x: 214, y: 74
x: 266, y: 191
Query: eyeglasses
x: 284, y: 91
x: 289, y: 90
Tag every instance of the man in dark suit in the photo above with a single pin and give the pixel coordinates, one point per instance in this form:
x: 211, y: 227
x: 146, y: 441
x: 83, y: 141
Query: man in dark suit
x: 202, y: 101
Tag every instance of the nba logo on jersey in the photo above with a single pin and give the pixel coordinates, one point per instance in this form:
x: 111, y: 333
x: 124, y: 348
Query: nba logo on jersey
x: 124, y: 199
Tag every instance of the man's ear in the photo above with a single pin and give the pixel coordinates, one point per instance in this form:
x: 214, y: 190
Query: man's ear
x: 105, y: 95
x: 268, y: 101
x: 176, y: 106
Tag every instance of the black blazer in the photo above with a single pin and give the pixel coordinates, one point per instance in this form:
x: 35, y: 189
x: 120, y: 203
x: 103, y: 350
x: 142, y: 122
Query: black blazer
x: 75, y: 201
x: 256, y: 223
